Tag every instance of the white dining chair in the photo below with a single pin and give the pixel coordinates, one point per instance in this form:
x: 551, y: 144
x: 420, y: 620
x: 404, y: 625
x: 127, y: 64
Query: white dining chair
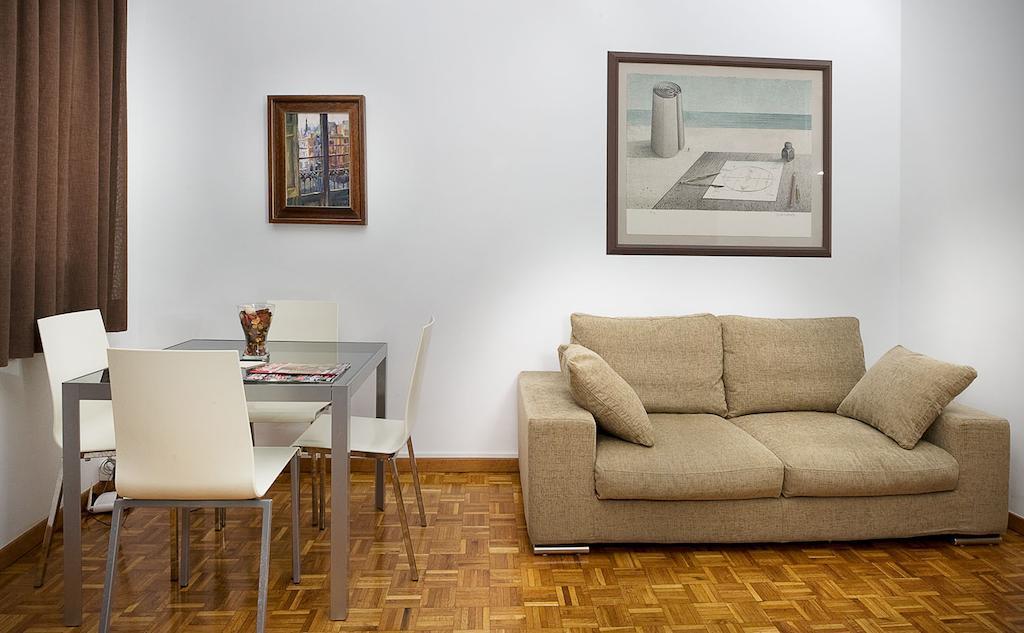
x: 74, y: 344
x: 295, y: 320
x: 378, y: 439
x: 184, y: 442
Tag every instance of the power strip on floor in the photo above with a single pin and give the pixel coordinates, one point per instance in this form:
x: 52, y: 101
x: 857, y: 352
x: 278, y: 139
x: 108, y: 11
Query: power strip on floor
x: 103, y: 503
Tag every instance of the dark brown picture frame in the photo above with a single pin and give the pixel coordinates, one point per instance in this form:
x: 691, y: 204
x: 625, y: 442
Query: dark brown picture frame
x: 280, y: 212
x: 614, y: 247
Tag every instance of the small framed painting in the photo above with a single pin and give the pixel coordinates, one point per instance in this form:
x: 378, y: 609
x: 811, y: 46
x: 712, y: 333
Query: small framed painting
x: 719, y: 155
x: 317, y: 159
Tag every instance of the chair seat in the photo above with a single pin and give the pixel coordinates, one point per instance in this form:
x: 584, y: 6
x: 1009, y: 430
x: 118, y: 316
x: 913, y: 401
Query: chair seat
x: 695, y: 457
x: 284, y: 412
x: 96, y: 420
x: 828, y: 455
x: 270, y: 461
x: 367, y: 435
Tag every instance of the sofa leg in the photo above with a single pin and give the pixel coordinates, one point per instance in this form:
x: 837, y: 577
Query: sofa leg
x: 992, y: 539
x: 544, y: 550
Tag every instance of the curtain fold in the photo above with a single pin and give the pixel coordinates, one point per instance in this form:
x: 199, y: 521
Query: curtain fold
x: 63, y: 163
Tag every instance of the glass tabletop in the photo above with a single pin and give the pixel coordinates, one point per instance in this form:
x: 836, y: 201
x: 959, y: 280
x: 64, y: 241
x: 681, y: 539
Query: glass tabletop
x: 356, y: 354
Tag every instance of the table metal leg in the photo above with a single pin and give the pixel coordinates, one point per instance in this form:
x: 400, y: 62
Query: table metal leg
x: 173, y: 517
x: 184, y: 565
x: 382, y: 402
x: 72, y: 510
x: 314, y: 492
x: 296, y: 551
x: 321, y: 520
x: 339, y: 501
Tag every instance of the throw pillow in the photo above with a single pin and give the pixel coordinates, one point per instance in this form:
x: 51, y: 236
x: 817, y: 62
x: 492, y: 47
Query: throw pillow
x: 903, y: 393
x: 597, y: 388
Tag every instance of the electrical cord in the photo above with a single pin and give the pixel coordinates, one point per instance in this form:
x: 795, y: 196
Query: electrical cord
x: 107, y: 468
x: 107, y: 471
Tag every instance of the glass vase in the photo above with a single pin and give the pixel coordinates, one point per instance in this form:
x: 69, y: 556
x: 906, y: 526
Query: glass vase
x: 255, y: 319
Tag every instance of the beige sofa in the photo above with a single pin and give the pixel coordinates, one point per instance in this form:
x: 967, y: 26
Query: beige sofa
x: 748, y: 447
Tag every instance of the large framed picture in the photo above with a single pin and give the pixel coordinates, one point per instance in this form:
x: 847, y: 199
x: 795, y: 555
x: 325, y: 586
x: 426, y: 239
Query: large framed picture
x: 317, y: 159
x: 718, y: 155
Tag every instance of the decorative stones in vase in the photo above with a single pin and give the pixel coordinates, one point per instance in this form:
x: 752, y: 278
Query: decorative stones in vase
x: 255, y: 319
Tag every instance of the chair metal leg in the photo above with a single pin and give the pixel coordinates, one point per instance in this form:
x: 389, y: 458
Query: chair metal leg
x: 184, y: 569
x: 314, y: 492
x: 322, y: 521
x: 416, y: 482
x: 261, y: 601
x: 296, y: 563
x: 397, y: 485
x: 175, y: 529
x: 220, y: 518
x: 108, y: 579
x: 181, y: 518
x: 51, y: 519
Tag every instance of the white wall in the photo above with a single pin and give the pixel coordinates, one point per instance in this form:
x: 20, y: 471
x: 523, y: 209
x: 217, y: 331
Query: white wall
x: 486, y: 175
x: 963, y: 217
x: 28, y: 453
x: 486, y: 166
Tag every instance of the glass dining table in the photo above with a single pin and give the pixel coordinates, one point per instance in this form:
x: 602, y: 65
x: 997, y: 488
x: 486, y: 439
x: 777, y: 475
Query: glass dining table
x: 363, y: 358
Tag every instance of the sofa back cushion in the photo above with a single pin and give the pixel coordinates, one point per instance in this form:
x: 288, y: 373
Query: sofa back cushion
x: 789, y: 364
x: 673, y: 363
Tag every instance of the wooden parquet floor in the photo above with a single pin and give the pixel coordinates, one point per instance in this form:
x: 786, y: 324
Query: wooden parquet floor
x: 478, y: 574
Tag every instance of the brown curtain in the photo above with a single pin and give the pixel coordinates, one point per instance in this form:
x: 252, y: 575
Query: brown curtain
x: 63, y: 211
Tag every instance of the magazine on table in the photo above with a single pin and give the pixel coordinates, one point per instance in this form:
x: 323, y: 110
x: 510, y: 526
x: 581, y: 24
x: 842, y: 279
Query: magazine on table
x: 295, y: 372
x: 300, y: 369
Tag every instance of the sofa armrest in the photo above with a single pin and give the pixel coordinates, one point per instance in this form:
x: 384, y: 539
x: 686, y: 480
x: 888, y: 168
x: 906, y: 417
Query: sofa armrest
x: 557, y: 448
x: 980, y: 443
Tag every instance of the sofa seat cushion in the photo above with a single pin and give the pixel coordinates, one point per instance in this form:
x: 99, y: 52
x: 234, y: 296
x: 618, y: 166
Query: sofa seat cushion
x: 827, y: 455
x: 694, y: 457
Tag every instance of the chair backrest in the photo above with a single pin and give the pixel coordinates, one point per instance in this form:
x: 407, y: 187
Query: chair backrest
x: 181, y: 425
x: 74, y: 344
x: 304, y: 321
x: 412, y: 404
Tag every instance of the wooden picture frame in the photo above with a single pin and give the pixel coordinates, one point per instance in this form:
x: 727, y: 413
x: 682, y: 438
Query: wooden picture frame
x: 302, y: 189
x: 701, y: 157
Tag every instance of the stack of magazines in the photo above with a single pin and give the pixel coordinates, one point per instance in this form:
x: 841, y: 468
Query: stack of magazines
x: 295, y: 372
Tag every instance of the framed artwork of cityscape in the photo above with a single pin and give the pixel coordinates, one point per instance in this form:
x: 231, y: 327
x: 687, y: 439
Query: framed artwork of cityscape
x: 317, y: 159
x: 719, y: 155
